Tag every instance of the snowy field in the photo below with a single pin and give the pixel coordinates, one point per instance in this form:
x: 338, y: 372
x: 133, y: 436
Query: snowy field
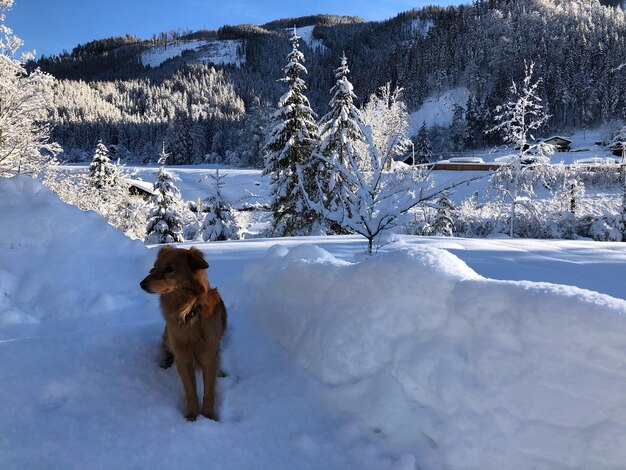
x: 220, y: 52
x: 306, y: 33
x: 438, y: 110
x: 437, y: 353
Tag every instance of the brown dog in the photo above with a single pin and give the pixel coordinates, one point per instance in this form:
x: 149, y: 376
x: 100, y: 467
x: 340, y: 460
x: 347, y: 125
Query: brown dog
x: 195, y: 321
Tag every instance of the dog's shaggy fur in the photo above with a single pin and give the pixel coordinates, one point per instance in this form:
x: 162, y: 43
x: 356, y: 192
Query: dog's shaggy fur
x: 195, y: 321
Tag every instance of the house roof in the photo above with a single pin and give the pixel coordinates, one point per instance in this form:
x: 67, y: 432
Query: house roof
x: 557, y: 138
x: 143, y: 185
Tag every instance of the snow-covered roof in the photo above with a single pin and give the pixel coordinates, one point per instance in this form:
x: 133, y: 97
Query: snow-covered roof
x: 143, y: 185
x: 557, y: 138
x: 466, y: 160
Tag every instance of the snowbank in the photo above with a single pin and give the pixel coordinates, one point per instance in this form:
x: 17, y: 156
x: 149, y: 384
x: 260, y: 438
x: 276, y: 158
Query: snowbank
x: 60, y: 264
x: 81, y: 387
x: 458, y: 370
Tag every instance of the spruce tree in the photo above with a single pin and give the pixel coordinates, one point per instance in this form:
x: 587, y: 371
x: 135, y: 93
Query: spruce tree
x: 443, y: 225
x: 164, y: 222
x: 458, y: 128
x: 341, y: 129
x: 423, y: 149
x: 180, y: 140
x: 219, y: 222
x: 471, y: 124
x: 102, y: 173
x: 292, y: 140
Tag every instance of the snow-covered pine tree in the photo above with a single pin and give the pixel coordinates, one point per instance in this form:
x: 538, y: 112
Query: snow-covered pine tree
x: 102, y: 173
x: 378, y: 198
x: 521, y: 116
x: 423, y: 149
x: 443, y: 225
x: 340, y: 131
x: 293, y: 138
x: 164, y: 222
x: 219, y: 222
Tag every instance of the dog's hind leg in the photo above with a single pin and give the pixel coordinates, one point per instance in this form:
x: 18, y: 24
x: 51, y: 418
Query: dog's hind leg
x: 168, y: 355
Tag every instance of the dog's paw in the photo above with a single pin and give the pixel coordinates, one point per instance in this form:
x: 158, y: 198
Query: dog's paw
x: 191, y: 417
x: 211, y: 416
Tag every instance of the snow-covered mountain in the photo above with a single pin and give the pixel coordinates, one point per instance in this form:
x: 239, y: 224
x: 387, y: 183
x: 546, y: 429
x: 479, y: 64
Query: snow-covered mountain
x: 127, y: 91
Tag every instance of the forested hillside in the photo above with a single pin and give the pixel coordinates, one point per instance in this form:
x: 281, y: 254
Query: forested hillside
x: 214, y: 109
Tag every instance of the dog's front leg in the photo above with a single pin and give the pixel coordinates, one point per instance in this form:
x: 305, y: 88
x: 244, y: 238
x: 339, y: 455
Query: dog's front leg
x: 210, y: 368
x: 168, y: 356
x: 184, y: 364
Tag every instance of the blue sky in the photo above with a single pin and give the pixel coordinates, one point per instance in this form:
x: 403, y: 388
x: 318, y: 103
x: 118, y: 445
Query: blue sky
x: 49, y: 26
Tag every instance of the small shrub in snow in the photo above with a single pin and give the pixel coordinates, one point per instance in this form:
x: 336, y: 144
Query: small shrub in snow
x: 480, y: 220
x: 443, y: 225
x: 605, y: 229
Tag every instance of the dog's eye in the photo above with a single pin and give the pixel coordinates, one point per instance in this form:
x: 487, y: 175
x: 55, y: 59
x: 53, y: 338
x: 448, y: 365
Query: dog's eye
x: 168, y: 269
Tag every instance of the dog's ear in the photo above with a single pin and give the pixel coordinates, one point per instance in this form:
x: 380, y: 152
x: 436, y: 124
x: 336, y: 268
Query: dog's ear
x: 196, y: 259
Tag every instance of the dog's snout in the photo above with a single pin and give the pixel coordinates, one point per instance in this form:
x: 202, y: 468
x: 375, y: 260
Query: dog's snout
x: 144, y: 285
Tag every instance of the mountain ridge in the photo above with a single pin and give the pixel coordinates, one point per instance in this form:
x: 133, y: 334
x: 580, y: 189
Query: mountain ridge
x: 577, y: 45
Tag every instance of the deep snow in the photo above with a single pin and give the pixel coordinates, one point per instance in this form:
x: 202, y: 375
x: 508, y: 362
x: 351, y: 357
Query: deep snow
x: 411, y: 359
x: 454, y: 369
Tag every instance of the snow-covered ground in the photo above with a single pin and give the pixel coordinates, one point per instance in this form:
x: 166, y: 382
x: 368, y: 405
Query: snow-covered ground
x: 242, y: 186
x: 438, y: 110
x: 306, y: 33
x: 437, y: 353
x: 421, y: 27
x: 214, y: 51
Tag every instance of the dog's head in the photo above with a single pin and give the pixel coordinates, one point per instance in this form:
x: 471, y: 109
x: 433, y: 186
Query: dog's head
x: 174, y: 268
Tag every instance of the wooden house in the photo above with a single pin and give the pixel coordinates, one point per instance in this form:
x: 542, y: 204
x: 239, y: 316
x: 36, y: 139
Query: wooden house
x: 617, y: 149
x: 560, y: 144
x: 141, y: 189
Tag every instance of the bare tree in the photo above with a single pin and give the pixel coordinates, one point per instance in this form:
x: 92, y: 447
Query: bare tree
x: 518, y: 119
x: 25, y: 103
